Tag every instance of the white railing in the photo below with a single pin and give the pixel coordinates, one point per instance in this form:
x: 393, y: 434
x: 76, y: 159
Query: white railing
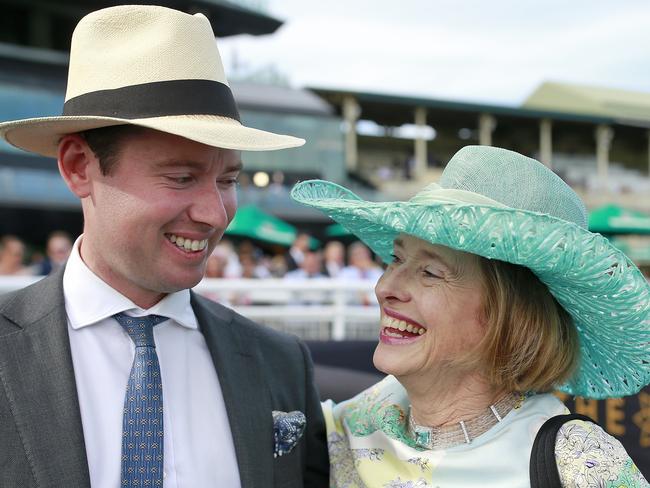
x: 313, y: 309
x: 10, y: 283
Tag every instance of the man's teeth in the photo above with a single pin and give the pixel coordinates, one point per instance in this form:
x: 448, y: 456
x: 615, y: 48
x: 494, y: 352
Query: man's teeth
x: 188, y: 244
x: 401, y: 325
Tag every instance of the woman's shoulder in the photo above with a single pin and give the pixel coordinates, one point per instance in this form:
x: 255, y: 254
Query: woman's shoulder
x: 383, y: 406
x: 586, y: 454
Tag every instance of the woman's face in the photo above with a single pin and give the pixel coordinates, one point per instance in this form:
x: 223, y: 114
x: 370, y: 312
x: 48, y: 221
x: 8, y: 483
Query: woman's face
x: 431, y: 298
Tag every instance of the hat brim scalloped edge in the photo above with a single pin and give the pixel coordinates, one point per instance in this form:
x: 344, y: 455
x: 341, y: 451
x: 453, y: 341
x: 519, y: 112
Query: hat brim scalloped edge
x: 41, y: 135
x: 604, y: 292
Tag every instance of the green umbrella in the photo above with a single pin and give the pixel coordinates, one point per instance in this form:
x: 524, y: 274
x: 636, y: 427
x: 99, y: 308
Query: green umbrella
x: 612, y: 219
x: 314, y: 243
x: 337, y: 230
x: 254, y: 223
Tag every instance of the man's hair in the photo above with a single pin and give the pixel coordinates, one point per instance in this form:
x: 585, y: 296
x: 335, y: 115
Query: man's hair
x: 106, y: 143
x: 359, y: 246
x: 59, y: 234
x: 530, y: 343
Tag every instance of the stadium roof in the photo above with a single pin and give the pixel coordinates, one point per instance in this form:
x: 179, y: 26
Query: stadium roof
x: 394, y: 110
x: 228, y: 18
x: 279, y: 99
x: 625, y: 107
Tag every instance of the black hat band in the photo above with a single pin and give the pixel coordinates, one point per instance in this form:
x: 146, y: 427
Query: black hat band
x: 156, y: 99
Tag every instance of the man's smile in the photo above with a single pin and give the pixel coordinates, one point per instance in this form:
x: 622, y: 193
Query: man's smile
x: 188, y: 245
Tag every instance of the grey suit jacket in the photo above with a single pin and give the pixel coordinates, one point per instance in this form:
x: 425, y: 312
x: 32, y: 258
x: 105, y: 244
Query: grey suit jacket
x: 41, y: 436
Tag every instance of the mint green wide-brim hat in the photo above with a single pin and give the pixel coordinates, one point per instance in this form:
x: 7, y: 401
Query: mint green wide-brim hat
x: 501, y: 205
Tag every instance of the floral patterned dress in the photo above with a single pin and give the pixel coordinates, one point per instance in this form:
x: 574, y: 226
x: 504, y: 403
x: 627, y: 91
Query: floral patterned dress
x: 370, y: 447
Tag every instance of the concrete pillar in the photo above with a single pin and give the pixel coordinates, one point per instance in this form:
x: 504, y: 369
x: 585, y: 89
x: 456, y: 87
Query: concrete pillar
x: 351, y: 112
x: 604, y: 136
x: 420, y: 149
x: 546, y: 142
x: 649, y: 153
x: 486, y: 125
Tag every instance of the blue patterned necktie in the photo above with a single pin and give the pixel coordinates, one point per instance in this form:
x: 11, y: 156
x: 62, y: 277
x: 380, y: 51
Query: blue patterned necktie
x: 142, y: 424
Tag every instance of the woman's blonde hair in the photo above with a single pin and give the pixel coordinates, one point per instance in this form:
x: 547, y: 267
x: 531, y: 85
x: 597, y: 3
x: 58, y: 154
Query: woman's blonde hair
x: 530, y: 343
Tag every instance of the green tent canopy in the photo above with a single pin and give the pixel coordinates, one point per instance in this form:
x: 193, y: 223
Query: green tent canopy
x: 337, y: 230
x: 612, y: 219
x: 254, y: 223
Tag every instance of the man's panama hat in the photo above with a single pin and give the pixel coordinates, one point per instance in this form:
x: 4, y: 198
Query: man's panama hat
x: 501, y: 205
x: 148, y: 66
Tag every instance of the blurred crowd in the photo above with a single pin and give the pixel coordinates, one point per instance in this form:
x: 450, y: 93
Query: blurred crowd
x: 244, y: 259
x: 17, y: 258
x: 300, y: 262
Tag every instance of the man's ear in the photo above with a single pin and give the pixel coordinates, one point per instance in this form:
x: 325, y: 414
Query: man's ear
x: 75, y: 164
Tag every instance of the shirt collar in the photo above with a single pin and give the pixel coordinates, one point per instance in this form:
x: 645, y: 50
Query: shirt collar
x: 89, y: 299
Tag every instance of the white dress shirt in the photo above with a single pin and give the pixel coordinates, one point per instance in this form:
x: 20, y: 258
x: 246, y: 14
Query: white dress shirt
x: 198, y: 447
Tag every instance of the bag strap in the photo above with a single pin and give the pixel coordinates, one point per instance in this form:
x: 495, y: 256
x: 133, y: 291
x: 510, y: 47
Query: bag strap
x: 543, y: 467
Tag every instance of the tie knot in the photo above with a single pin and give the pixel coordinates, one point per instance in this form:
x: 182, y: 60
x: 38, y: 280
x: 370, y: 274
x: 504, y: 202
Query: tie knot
x: 140, y: 329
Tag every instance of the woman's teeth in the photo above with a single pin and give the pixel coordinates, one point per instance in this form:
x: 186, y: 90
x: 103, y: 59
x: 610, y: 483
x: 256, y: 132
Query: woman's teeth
x: 401, y: 325
x: 188, y: 244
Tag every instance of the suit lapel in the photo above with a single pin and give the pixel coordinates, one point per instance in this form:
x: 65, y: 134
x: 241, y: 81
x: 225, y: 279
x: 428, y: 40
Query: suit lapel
x: 236, y: 359
x: 37, y: 374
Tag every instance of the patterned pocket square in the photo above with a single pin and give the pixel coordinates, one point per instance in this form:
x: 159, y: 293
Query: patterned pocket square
x: 287, y: 431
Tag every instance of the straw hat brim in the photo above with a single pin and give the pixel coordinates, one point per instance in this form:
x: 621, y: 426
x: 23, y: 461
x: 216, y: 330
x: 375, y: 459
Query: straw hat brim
x: 41, y: 135
x: 604, y: 292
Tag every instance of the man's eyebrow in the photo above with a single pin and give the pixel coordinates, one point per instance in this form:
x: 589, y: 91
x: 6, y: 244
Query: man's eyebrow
x: 186, y: 163
x: 238, y: 166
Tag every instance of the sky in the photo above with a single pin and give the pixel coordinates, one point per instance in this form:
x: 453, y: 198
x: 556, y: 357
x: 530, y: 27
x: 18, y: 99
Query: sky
x: 489, y: 51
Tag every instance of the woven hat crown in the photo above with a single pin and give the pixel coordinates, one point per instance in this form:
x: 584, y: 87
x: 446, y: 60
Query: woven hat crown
x: 513, y: 180
x: 135, y: 44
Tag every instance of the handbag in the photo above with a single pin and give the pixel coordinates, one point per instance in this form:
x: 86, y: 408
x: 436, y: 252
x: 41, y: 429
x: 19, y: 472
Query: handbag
x: 543, y: 467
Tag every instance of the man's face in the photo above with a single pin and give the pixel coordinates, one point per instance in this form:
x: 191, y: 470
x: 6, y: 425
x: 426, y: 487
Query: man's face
x: 359, y: 256
x: 58, y: 249
x: 151, y: 224
x: 312, y: 263
x: 13, y: 254
x: 302, y: 242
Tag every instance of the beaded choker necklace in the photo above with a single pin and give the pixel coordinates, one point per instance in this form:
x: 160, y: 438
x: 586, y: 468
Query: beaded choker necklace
x: 464, y: 431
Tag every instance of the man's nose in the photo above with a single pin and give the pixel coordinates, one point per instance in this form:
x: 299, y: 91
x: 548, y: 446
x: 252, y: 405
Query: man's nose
x: 208, y: 207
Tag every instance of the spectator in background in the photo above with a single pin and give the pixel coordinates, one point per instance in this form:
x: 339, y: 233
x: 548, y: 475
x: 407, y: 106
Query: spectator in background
x: 309, y: 268
x: 251, y: 267
x: 360, y: 264
x: 296, y: 252
x: 409, y: 166
x: 233, y: 268
x: 217, y: 263
x: 277, y: 266
x: 251, y: 259
x: 223, y: 262
x: 217, y: 267
x: 12, y: 254
x: 58, y: 248
x: 334, y: 258
x: 361, y: 267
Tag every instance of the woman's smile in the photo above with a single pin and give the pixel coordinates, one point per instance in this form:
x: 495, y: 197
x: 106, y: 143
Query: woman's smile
x: 397, y: 329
